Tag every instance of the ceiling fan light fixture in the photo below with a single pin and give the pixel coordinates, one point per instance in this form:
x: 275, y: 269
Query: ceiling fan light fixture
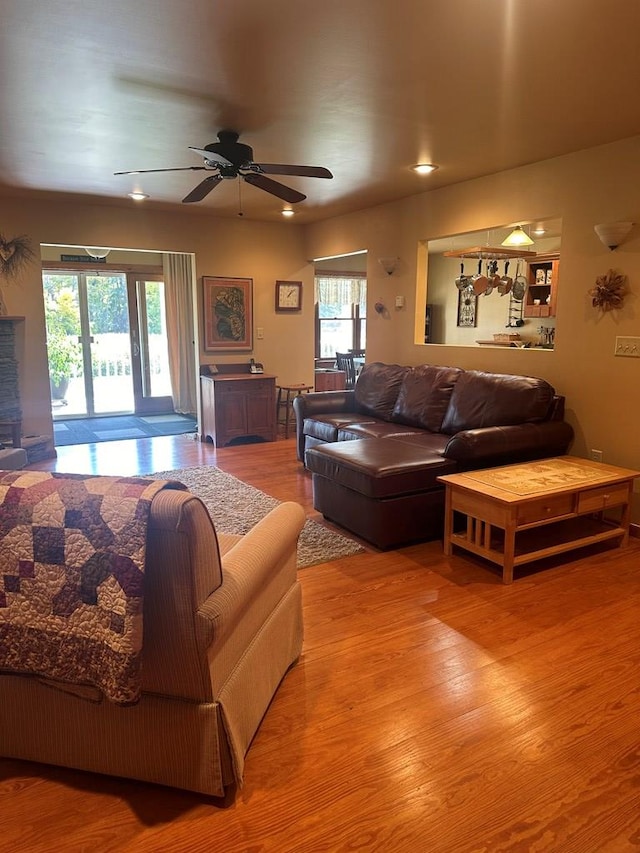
x: 228, y: 160
x: 424, y: 168
x: 518, y: 238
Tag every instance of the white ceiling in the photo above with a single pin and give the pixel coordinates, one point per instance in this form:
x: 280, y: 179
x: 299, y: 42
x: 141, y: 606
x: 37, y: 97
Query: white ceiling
x: 363, y: 87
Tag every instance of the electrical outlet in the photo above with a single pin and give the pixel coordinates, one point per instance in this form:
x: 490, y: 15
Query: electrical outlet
x: 596, y: 455
x: 626, y: 346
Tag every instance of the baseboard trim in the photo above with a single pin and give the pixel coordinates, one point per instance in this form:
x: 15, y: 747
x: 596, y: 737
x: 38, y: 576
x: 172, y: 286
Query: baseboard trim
x: 634, y: 530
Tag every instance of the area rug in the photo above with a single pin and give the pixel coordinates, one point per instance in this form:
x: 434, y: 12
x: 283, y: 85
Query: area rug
x: 235, y: 507
x: 117, y: 427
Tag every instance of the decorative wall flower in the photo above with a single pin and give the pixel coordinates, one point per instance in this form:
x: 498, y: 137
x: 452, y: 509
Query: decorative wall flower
x: 609, y: 291
x: 14, y: 254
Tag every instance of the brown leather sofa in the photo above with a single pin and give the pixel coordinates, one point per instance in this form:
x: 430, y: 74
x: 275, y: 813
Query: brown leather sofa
x: 375, y: 452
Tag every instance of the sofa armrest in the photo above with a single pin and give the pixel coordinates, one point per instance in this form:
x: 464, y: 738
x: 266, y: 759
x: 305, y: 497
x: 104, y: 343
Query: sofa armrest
x: 509, y: 443
x: 256, y: 573
x: 319, y: 403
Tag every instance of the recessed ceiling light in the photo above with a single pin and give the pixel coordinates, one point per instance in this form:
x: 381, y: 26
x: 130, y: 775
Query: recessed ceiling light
x: 424, y: 168
x: 539, y: 231
x: 288, y: 212
x: 136, y: 196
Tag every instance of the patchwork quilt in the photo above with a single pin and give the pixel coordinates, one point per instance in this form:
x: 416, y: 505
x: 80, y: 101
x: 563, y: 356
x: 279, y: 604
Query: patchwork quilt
x: 72, y: 552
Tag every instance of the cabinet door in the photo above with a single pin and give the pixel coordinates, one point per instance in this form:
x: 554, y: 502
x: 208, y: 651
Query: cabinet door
x: 555, y: 269
x: 231, y: 413
x: 261, y: 411
x: 208, y: 409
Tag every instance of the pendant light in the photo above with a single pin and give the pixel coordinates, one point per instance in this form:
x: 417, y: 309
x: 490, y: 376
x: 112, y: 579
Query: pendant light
x: 518, y: 238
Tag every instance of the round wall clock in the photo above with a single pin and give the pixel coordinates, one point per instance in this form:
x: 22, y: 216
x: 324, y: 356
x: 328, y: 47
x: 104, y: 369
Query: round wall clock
x: 288, y: 295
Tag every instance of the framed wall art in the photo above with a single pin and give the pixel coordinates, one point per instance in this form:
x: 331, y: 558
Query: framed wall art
x: 467, y: 307
x: 228, y: 313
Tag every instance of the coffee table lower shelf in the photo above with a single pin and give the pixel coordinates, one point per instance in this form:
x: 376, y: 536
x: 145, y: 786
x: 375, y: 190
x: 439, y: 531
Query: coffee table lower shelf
x: 536, y: 543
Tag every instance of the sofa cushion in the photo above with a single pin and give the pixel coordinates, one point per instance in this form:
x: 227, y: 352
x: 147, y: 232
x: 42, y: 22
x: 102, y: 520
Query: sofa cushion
x: 376, y: 429
x: 424, y: 396
x: 377, y: 389
x: 326, y: 427
x: 379, y: 469
x: 436, y: 442
x: 495, y: 399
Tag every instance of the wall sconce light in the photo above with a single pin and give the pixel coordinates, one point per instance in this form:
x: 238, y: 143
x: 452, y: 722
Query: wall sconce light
x: 389, y: 265
x: 612, y: 234
x: 518, y: 238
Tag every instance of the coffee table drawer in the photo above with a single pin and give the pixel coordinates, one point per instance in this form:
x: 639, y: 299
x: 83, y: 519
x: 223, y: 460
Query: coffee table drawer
x: 597, y: 499
x: 550, y: 507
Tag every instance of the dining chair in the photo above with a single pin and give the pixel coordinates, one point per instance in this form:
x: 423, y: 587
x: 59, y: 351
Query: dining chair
x: 344, y: 361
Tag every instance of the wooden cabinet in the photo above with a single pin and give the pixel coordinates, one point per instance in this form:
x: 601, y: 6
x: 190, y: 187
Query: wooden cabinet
x: 330, y: 380
x: 238, y: 406
x: 542, y: 289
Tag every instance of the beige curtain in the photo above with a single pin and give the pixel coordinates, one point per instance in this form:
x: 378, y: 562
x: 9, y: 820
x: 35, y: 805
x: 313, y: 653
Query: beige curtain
x: 341, y: 289
x: 178, y: 288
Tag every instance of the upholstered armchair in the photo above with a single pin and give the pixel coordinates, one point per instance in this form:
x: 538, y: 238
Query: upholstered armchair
x: 222, y: 623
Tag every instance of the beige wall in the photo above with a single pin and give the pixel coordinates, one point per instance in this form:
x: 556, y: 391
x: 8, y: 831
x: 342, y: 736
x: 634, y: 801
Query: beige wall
x: 222, y: 247
x: 585, y: 188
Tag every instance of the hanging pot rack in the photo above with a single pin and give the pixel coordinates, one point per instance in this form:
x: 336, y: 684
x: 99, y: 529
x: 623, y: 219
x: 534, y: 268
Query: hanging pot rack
x: 489, y: 253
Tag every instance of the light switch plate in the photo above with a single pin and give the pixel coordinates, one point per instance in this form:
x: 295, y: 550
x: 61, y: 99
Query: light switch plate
x: 628, y: 346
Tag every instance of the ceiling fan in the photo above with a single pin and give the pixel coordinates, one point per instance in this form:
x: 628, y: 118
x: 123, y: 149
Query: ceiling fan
x: 229, y: 159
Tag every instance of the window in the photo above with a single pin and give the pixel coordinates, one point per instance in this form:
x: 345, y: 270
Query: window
x: 341, y: 313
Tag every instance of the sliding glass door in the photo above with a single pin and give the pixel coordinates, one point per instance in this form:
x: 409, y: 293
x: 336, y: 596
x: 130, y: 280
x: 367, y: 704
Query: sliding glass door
x: 107, y: 346
x: 149, y: 348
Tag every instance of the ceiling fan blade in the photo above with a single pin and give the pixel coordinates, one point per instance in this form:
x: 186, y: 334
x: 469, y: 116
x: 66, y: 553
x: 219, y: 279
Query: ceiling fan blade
x: 303, y: 171
x: 275, y: 188
x: 203, y: 189
x: 211, y: 155
x: 177, y: 169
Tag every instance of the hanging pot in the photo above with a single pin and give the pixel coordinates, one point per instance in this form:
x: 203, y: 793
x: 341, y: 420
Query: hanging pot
x: 494, y: 278
x: 519, y: 285
x: 479, y: 282
x: 506, y: 282
x: 462, y: 282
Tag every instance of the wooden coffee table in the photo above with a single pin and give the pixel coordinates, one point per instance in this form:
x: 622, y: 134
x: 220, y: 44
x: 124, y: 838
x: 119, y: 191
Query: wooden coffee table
x: 516, y: 514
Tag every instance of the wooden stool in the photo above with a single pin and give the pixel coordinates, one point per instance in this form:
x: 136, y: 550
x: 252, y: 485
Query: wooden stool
x: 286, y: 393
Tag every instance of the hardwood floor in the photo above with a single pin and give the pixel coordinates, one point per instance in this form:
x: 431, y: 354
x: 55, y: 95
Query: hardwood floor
x: 434, y: 710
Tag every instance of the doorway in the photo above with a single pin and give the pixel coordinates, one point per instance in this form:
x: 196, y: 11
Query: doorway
x: 106, y: 342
